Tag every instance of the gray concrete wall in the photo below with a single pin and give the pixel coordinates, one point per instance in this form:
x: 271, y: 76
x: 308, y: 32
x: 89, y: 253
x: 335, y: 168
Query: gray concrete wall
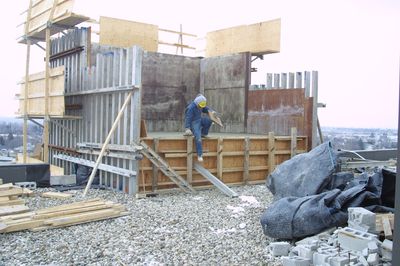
x: 169, y: 83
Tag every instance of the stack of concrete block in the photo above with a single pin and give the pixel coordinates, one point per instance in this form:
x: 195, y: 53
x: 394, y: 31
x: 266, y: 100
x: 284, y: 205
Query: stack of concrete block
x: 356, y: 245
x: 362, y: 219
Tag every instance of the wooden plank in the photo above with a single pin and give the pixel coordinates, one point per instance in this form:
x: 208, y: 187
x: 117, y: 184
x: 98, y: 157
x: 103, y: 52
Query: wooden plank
x: 56, y: 195
x: 387, y: 229
x: 6, y: 186
x: 22, y: 225
x: 220, y: 158
x: 189, y: 159
x: 271, y: 152
x: 246, y: 160
x: 75, y: 205
x: 12, y: 202
x: 293, y: 142
x: 125, y: 33
x: 7, y: 210
x: 81, y: 217
x: 37, y: 93
x: 72, y: 211
x: 15, y: 191
x: 259, y: 38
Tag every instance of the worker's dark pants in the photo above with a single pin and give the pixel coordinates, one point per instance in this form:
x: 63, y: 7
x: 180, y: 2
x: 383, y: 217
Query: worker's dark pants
x: 200, y: 128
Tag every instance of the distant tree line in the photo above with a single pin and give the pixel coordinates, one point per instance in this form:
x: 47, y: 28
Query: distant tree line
x: 11, y: 134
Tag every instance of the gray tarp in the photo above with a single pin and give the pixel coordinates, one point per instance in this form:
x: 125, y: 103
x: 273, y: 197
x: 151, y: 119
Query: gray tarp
x: 310, y: 197
x: 294, y: 217
x: 305, y: 174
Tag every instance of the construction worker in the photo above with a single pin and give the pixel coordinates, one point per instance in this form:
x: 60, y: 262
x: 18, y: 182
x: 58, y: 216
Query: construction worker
x: 197, y: 124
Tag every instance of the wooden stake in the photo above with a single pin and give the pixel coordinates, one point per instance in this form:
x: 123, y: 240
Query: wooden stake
x: 189, y: 159
x: 28, y: 53
x: 46, y: 100
x: 103, y: 149
x: 246, y: 160
x: 293, y: 142
x: 271, y: 152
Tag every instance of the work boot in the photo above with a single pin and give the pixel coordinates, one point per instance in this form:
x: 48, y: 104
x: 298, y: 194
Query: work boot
x: 200, y: 159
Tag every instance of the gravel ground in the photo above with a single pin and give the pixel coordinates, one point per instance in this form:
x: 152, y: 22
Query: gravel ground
x: 208, y: 228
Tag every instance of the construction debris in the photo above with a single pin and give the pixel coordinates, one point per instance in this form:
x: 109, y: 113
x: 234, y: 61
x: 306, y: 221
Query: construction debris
x: 345, y: 246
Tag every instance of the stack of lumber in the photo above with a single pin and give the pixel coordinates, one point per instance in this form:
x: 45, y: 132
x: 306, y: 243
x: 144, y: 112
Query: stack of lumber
x: 384, y: 224
x: 10, y: 203
x: 62, y: 216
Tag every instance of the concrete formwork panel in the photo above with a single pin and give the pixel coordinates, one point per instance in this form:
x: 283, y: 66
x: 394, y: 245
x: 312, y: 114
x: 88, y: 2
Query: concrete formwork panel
x: 169, y: 83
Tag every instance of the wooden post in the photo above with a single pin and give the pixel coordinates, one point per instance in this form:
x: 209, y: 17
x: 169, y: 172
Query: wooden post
x: 46, y: 100
x: 103, y: 149
x: 314, y: 135
x: 271, y: 152
x: 293, y: 142
x: 154, y: 180
x: 189, y: 160
x: 246, y: 165
x: 47, y: 87
x: 26, y: 90
x: 220, y: 159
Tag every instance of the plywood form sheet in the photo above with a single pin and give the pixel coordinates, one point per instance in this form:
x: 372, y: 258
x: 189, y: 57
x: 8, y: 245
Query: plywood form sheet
x: 259, y: 38
x: 40, y: 15
x: 125, y: 33
x: 36, y: 93
x: 278, y: 111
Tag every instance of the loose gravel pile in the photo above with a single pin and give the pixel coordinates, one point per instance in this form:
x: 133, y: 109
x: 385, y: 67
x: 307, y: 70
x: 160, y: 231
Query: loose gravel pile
x: 207, y: 228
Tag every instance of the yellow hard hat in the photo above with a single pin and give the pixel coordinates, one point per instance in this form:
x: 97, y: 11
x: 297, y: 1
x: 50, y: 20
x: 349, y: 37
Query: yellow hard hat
x: 202, y: 104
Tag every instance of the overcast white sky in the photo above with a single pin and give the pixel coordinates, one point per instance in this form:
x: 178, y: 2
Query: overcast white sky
x: 353, y: 44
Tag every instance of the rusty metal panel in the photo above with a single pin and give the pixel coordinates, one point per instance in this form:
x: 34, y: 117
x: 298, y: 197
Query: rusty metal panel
x: 278, y: 111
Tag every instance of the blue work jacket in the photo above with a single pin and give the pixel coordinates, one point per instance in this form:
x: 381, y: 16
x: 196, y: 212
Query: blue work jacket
x: 193, y: 113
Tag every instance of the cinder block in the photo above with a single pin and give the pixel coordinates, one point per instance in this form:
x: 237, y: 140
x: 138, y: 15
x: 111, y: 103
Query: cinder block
x: 386, y: 250
x: 363, y: 261
x: 306, y: 251
x: 338, y: 261
x: 29, y: 185
x: 295, y: 261
x: 373, y: 259
x: 372, y: 247
x: 322, y: 258
x: 353, y: 239
x: 62, y: 180
x: 280, y: 248
x: 362, y: 219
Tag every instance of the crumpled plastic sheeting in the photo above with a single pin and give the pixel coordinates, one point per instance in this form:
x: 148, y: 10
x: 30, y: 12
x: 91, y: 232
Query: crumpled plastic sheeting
x: 295, y: 217
x: 305, y: 174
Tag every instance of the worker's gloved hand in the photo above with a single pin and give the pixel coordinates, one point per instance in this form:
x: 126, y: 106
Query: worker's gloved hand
x: 188, y: 132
